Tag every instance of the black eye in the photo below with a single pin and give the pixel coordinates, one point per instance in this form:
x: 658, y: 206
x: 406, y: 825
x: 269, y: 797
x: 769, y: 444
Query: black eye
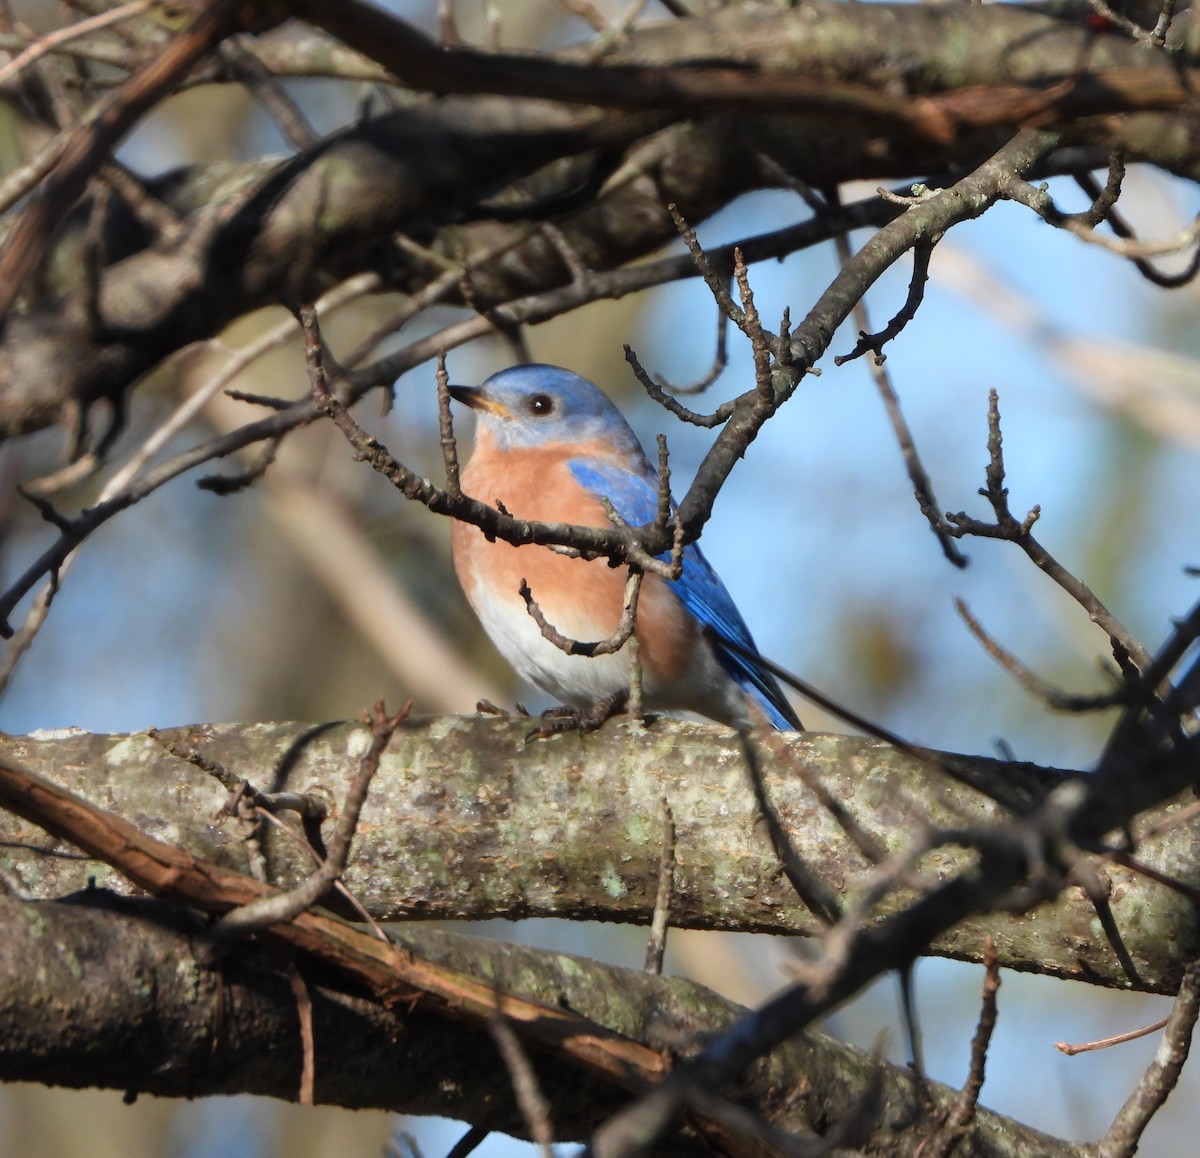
x: 540, y: 405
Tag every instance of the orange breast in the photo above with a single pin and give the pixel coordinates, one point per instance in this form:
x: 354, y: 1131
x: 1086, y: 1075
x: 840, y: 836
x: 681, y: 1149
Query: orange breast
x: 581, y: 598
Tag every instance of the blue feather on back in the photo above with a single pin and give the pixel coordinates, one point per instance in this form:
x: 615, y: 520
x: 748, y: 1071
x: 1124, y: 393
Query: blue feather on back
x: 634, y: 496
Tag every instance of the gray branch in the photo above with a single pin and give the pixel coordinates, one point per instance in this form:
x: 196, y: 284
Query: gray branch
x: 467, y: 821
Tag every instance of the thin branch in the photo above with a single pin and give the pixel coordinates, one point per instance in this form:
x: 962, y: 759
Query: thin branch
x: 962, y: 1113
x: 1009, y: 528
x: 671, y: 403
x: 815, y: 894
x: 468, y: 1143
x: 129, y: 486
x: 1032, y: 682
x: 917, y: 474
x: 1039, y: 200
x: 922, y: 251
x: 1071, y: 1049
x: 50, y: 41
x: 1161, y: 1075
x: 533, y: 308
x: 719, y: 363
x: 607, y: 646
x: 1111, y: 18
x: 88, y: 146
x: 245, y: 65
x: 304, y: 1014
x: 1158, y: 35
x: 1104, y: 201
x: 446, y: 430
x: 656, y: 943
x: 284, y: 907
x: 534, y: 1107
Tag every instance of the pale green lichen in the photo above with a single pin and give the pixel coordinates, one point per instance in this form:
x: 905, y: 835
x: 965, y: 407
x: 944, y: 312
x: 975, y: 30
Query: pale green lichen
x: 611, y: 882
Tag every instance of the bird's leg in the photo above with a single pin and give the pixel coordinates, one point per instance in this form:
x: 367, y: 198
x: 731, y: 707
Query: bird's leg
x: 564, y: 719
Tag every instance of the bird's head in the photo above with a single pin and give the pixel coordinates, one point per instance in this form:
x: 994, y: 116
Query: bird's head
x: 537, y: 405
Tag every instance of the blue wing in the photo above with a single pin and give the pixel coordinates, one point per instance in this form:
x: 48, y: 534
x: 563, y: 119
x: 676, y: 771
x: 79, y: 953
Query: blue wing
x: 634, y: 496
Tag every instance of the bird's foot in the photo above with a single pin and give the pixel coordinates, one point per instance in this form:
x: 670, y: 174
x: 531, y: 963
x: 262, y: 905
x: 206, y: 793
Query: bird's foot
x: 555, y: 721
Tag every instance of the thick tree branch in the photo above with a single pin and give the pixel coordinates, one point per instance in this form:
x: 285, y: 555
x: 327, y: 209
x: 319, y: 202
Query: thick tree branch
x: 324, y: 214
x: 201, y: 1021
x: 574, y: 830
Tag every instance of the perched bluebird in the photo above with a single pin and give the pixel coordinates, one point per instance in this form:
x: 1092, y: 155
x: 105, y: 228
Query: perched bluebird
x: 550, y: 446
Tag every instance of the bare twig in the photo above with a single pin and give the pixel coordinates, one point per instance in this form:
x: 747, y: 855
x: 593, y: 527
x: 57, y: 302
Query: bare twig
x: 1104, y: 200
x: 308, y: 1060
x: 49, y: 41
x: 720, y: 361
x: 468, y: 1143
x: 815, y: 894
x: 282, y: 907
x: 1161, y: 1075
x: 874, y: 343
x: 717, y: 285
x: 656, y: 944
x: 245, y: 65
x: 962, y: 1112
x: 1158, y: 35
x: 446, y: 430
x: 671, y: 403
x: 917, y: 474
x: 534, y: 1107
x: 607, y: 646
x: 1009, y: 528
x: 1123, y: 230
x: 89, y: 145
x: 1071, y: 1049
x: 1031, y: 681
x: 1118, y: 20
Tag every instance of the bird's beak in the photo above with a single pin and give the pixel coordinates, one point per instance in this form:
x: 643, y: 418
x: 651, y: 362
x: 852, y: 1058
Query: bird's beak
x: 476, y: 399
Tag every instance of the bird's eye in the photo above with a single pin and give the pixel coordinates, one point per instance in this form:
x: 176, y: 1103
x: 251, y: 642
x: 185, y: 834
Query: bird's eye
x: 540, y: 405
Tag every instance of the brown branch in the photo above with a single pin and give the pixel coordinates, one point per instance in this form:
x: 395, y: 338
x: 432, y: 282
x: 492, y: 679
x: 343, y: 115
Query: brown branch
x: 917, y: 474
x: 1071, y: 1049
x: 965, y: 1107
x: 874, y: 343
x: 603, y: 789
x: 968, y: 198
x: 1007, y: 527
x: 693, y: 88
x: 245, y: 65
x: 672, y: 404
x: 88, y: 146
x: 607, y: 646
x: 393, y: 978
x: 190, y: 1031
x: 534, y: 1107
x: 50, y: 41
x: 304, y: 1014
x: 814, y: 893
x: 1027, y: 857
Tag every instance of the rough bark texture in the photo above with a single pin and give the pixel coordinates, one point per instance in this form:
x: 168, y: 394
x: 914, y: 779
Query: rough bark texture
x: 467, y: 821
x: 133, y: 994
x: 828, y: 92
